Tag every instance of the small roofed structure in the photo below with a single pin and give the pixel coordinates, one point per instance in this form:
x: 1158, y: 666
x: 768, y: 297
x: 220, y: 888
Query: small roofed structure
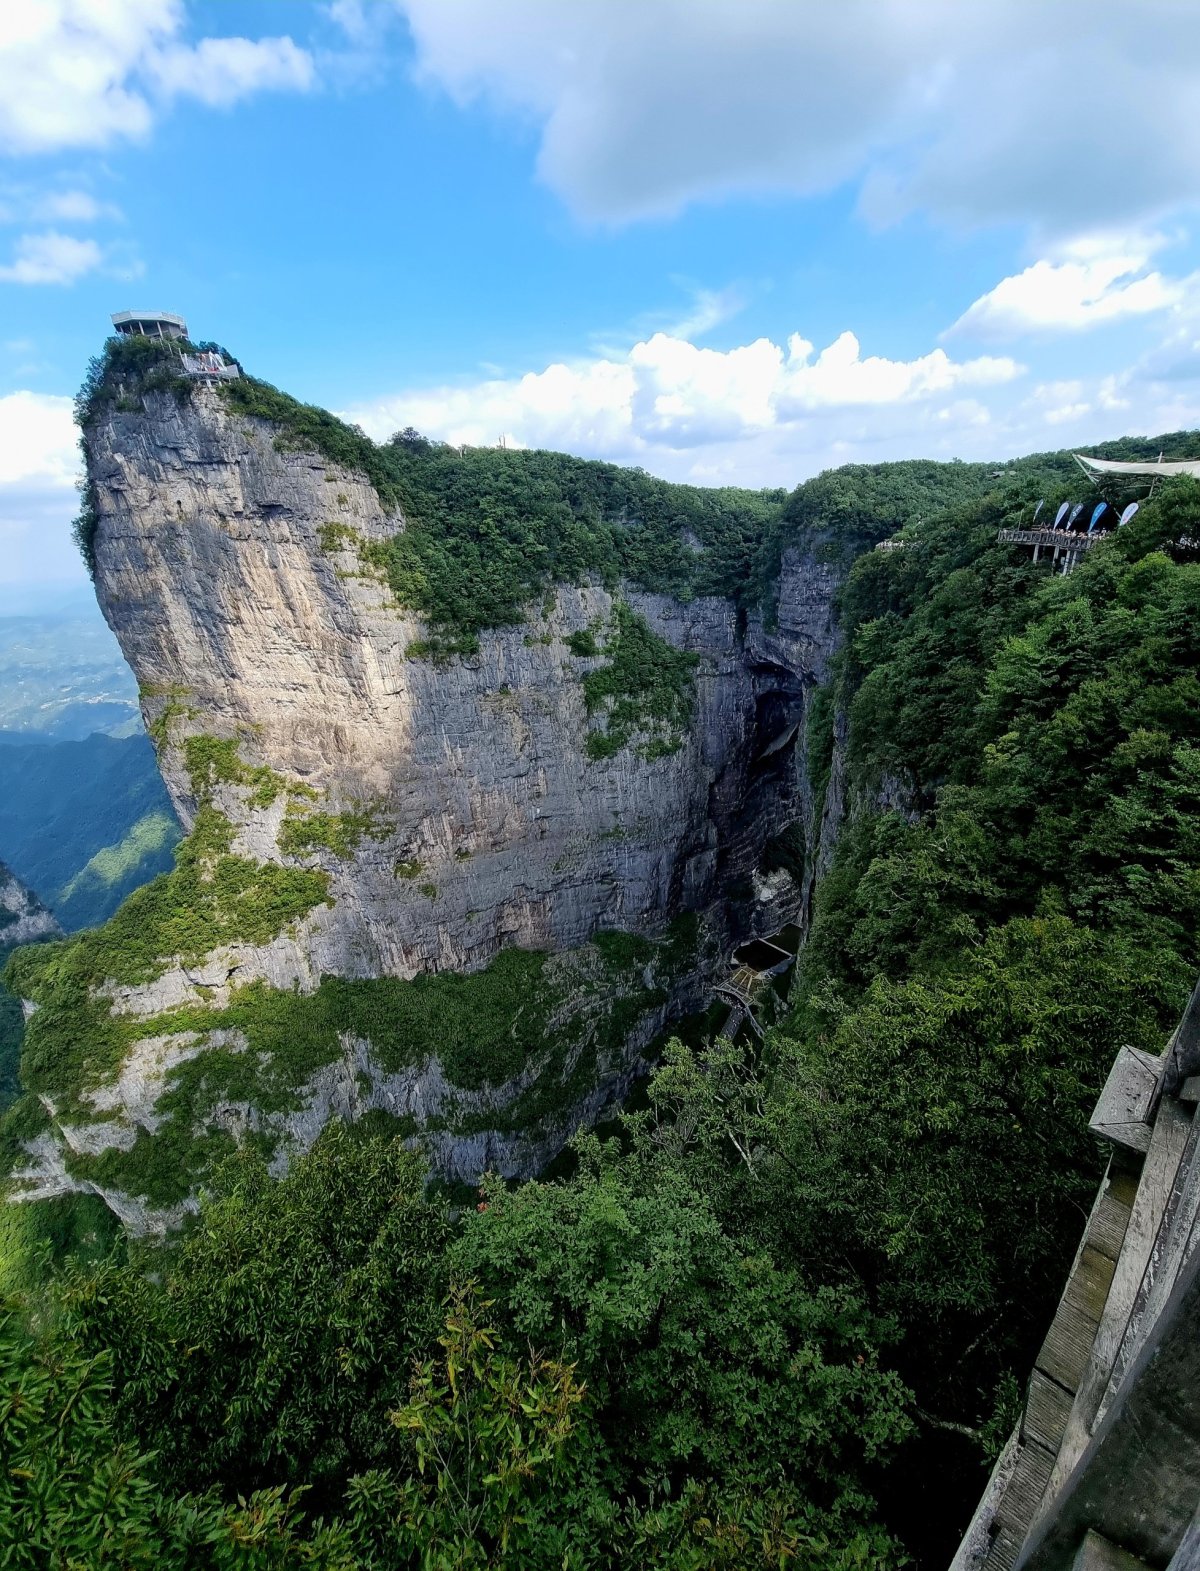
x: 753, y: 965
x: 149, y: 324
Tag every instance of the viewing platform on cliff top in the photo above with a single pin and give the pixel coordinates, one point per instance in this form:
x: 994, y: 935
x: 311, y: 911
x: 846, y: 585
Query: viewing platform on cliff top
x: 1063, y: 539
x: 205, y: 364
x: 1063, y: 544
x: 149, y: 324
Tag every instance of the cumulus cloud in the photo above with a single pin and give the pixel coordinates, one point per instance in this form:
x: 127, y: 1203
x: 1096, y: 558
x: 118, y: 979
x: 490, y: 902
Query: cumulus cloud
x: 24, y: 204
x: 691, y: 412
x: 975, y: 112
x: 51, y: 258
x: 220, y: 71
x: 72, y: 207
x: 38, y: 440
x: 78, y: 73
x: 39, y: 465
x: 1097, y: 281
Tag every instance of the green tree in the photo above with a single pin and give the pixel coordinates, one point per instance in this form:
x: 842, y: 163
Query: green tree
x: 707, y: 1362
x: 72, y: 1495
x: 489, y: 1433
x: 287, y: 1322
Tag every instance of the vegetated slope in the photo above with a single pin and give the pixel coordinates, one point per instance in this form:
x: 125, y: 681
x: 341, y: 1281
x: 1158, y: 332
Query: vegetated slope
x: 982, y: 947
x: 77, y: 1226
x: 84, y: 822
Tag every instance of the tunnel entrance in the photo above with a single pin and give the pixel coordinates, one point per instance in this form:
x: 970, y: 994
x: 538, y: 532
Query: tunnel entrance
x: 761, y: 955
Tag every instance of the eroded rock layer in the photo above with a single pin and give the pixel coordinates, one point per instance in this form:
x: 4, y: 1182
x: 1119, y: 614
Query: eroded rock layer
x: 23, y: 917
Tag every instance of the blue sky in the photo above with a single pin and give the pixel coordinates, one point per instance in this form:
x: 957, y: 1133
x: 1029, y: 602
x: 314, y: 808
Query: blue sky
x: 642, y: 231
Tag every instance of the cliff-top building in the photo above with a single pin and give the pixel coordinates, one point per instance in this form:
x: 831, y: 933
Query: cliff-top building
x: 149, y: 324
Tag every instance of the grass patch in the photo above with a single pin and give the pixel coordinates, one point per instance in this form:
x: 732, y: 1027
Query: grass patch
x: 302, y: 832
x: 583, y: 644
x: 159, y: 729
x: 647, y: 689
x: 213, y: 761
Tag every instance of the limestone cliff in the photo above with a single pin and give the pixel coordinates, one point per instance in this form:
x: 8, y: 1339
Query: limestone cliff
x: 366, y: 819
x: 23, y: 917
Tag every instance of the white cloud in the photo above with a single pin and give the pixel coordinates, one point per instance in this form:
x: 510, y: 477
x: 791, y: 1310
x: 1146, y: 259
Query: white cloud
x: 39, y: 463
x: 709, y: 308
x: 72, y: 207
x: 220, y: 71
x: 51, y: 258
x: 26, y: 204
x: 753, y: 413
x: 38, y: 440
x: 840, y: 376
x: 351, y: 16
x: 84, y: 73
x: 1099, y: 280
x: 1061, y: 402
x: 967, y: 110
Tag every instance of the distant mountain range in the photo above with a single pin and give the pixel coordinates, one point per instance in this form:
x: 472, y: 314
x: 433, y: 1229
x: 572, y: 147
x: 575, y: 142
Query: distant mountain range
x: 84, y: 816
x: 84, y: 823
x: 62, y: 674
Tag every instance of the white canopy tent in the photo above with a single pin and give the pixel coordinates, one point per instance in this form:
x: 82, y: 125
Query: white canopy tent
x: 1093, y: 467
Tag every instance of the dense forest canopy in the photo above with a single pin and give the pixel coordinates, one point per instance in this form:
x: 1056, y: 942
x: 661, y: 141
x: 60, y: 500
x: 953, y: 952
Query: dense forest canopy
x: 780, y: 1315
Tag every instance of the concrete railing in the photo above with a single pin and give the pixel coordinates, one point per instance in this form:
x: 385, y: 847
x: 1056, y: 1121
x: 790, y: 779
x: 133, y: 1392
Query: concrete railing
x: 1103, y: 1471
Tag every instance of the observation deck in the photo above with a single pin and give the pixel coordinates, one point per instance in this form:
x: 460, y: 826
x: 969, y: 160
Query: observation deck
x: 149, y: 324
x: 1064, y: 544
x: 753, y: 968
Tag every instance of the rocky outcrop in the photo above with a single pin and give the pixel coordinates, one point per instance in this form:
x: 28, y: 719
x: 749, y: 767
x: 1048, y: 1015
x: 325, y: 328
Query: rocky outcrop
x: 238, y: 623
x: 463, y: 812
x: 23, y: 917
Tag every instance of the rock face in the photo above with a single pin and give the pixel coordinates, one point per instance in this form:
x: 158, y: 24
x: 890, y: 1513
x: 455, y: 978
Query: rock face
x: 237, y: 623
x: 23, y: 917
x: 479, y: 820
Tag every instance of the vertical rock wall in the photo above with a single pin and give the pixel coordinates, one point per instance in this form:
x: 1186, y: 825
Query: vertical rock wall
x: 461, y: 818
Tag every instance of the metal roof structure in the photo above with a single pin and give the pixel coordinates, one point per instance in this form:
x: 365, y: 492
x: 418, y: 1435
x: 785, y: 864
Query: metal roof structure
x: 1158, y: 469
